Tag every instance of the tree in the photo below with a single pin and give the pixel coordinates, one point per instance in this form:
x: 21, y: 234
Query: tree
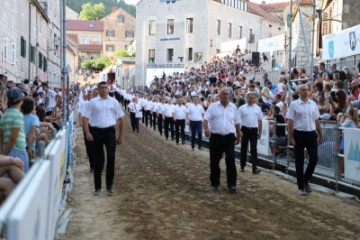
x: 76, y: 5
x: 90, y: 12
x: 97, y: 64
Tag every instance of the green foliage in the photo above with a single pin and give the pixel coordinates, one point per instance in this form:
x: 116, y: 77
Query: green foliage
x: 90, y: 12
x: 124, y: 53
x: 97, y: 64
x: 108, y: 4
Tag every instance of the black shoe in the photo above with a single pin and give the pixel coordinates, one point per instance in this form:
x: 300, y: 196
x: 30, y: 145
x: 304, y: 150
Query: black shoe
x: 91, y: 170
x: 256, y: 171
x: 110, y: 189
x: 97, y: 192
x: 177, y: 143
x: 307, y: 187
x: 242, y: 170
x: 183, y: 142
x: 214, y: 188
x: 232, y: 189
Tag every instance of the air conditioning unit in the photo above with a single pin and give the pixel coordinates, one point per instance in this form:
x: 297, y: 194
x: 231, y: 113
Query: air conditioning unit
x: 252, y: 38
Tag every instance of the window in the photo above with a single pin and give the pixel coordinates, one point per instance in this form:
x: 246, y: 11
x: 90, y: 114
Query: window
x: 250, y: 32
x: 23, y: 47
x: 240, y: 32
x: 190, y: 54
x: 170, y: 54
x: 32, y: 54
x: 13, y: 53
x: 198, y: 56
x: 91, y: 25
x: 152, y: 27
x: 170, y: 26
x: 121, y: 18
x: 189, y: 25
x: 5, y: 49
x: 230, y: 30
x: 45, y: 65
x: 151, y: 56
x: 110, y: 48
x: 110, y: 33
x: 40, y: 60
x: 325, y: 24
x: 84, y: 40
x: 129, y: 34
x: 218, y: 27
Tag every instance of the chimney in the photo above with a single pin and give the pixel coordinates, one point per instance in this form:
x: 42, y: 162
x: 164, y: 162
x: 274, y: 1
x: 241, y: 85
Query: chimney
x: 114, y: 8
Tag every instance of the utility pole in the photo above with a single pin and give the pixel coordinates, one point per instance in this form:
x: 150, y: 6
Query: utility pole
x: 290, y: 40
x: 65, y: 81
x: 312, y: 48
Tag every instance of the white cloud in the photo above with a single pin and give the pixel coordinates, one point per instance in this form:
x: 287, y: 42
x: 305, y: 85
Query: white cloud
x: 132, y: 1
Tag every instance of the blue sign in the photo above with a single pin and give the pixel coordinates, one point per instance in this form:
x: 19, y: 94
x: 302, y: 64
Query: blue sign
x: 331, y: 49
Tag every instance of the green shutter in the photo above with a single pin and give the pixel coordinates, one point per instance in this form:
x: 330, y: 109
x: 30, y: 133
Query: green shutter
x: 32, y: 54
x: 40, y: 60
x: 45, y: 65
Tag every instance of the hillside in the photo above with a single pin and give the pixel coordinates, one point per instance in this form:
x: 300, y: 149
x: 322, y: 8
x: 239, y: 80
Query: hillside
x: 76, y: 5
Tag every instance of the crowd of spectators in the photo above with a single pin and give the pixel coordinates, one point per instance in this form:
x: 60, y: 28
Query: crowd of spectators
x: 29, y: 113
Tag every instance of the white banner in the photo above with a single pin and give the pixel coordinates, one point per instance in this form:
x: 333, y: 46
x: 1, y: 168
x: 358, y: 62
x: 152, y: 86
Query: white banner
x: 28, y: 220
x: 352, y: 154
x: 57, y: 157
x: 263, y: 146
x: 341, y: 44
x: 230, y: 46
x: 272, y: 44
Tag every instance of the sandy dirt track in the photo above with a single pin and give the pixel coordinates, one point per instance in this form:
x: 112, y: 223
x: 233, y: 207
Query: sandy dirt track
x: 162, y: 191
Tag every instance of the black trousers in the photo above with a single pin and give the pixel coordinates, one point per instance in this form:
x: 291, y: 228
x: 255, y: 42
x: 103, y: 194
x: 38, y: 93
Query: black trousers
x: 89, y: 153
x: 134, y: 122
x: 160, y: 124
x: 143, y: 117
x: 103, y: 136
x: 154, y: 120
x: 148, y: 118
x: 180, y: 128
x: 169, y: 122
x: 218, y: 145
x: 249, y: 134
x: 306, y: 140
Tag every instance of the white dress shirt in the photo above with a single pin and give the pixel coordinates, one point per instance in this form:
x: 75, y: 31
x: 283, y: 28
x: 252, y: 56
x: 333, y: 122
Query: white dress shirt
x: 103, y: 113
x: 304, y: 115
x: 160, y: 108
x: 148, y: 105
x: 222, y: 120
x: 50, y: 101
x: 250, y: 115
x: 168, y: 110
x: 196, y: 112
x: 134, y: 107
x: 180, y: 112
x: 155, y: 107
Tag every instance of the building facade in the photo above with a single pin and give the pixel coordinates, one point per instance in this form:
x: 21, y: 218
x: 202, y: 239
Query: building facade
x: 27, y: 28
x: 186, y: 33
x: 119, y: 31
x: 90, y: 37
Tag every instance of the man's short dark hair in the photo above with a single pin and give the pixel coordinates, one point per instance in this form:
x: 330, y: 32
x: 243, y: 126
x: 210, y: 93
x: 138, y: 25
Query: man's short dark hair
x: 102, y: 83
x: 322, y: 64
x: 44, y: 84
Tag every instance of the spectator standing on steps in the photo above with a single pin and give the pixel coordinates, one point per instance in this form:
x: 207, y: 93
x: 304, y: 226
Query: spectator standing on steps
x: 102, y: 114
x: 222, y: 127
x: 134, y: 107
x: 179, y: 119
x: 303, y: 122
x: 251, y: 128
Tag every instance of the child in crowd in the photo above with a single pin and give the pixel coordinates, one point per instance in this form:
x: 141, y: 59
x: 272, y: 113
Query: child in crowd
x: 12, y: 134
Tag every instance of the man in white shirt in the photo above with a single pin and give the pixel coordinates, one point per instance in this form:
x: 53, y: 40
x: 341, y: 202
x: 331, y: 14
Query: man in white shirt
x: 148, y: 106
x: 221, y: 122
x: 179, y: 119
x: 134, y: 108
x: 159, y: 111
x: 194, y: 117
x: 154, y: 111
x: 303, y: 116
x: 167, y: 113
x: 50, y: 101
x: 102, y: 114
x: 251, y: 127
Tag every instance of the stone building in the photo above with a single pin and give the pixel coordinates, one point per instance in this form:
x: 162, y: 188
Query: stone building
x: 119, y: 31
x: 187, y: 33
x: 90, y: 37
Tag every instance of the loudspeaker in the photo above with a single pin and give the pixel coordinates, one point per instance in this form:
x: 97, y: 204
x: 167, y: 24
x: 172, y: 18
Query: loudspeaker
x: 255, y: 58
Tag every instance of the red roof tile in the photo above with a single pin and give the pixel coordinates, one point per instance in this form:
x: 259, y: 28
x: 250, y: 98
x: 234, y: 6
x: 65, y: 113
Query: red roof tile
x: 90, y: 47
x: 84, y: 25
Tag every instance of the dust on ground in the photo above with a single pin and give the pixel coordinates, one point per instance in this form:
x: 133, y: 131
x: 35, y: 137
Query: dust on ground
x: 162, y: 191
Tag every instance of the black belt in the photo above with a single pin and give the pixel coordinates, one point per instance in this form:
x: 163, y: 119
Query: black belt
x: 249, y: 127
x: 103, y: 129
x: 222, y: 135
